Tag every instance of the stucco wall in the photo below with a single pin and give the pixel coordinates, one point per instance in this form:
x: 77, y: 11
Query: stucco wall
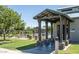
x: 74, y: 30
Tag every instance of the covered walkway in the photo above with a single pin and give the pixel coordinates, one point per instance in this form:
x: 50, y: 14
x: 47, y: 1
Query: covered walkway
x: 60, y: 28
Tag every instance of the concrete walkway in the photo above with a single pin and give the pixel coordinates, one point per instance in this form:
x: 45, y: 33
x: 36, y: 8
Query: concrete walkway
x: 39, y: 50
x: 36, y: 50
x: 3, y: 50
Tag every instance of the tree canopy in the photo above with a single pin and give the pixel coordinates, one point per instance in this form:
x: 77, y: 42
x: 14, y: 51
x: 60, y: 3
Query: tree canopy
x: 9, y: 20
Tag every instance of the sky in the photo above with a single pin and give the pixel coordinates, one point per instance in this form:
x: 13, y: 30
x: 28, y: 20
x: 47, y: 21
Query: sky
x: 29, y: 11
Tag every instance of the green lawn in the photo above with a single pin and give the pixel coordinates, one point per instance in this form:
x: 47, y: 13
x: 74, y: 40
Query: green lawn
x: 73, y: 49
x: 15, y: 44
x: 18, y: 44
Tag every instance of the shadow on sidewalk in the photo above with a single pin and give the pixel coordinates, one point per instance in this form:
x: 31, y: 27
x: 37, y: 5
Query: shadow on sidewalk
x: 35, y: 50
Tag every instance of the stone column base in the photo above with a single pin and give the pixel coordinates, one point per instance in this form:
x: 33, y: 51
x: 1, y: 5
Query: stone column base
x: 61, y: 45
x: 66, y: 42
x: 39, y: 43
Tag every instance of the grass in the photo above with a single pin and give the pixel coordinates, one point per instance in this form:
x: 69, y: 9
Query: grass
x: 15, y: 44
x: 73, y: 49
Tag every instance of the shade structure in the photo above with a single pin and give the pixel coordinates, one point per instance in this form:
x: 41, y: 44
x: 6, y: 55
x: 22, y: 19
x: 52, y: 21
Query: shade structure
x: 62, y: 24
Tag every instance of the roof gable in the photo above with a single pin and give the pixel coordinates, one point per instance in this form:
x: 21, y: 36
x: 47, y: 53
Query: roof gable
x: 44, y: 13
x: 51, y: 13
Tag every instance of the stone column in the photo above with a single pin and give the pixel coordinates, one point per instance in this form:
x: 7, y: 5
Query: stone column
x: 46, y: 29
x: 51, y: 30
x: 39, y: 30
x: 52, y: 39
x: 66, y: 40
x: 68, y: 30
x: 61, y: 30
x: 61, y: 44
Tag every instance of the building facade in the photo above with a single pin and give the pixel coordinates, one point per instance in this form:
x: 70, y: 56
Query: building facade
x: 74, y: 28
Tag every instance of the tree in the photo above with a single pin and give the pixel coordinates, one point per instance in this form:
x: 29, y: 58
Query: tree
x: 9, y: 19
x: 29, y: 30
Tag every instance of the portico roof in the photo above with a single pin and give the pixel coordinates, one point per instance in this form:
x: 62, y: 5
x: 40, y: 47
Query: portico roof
x: 51, y: 15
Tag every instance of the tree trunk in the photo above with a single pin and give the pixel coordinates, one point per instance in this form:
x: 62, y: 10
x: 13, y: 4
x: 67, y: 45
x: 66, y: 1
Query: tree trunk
x: 4, y: 33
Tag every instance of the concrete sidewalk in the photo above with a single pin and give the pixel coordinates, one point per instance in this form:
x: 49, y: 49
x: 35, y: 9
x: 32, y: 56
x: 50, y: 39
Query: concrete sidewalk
x: 3, y: 50
x: 35, y: 50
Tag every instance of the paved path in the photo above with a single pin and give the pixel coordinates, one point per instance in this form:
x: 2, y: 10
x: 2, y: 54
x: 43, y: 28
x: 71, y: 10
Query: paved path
x: 39, y: 50
x: 3, y: 50
x: 36, y: 50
